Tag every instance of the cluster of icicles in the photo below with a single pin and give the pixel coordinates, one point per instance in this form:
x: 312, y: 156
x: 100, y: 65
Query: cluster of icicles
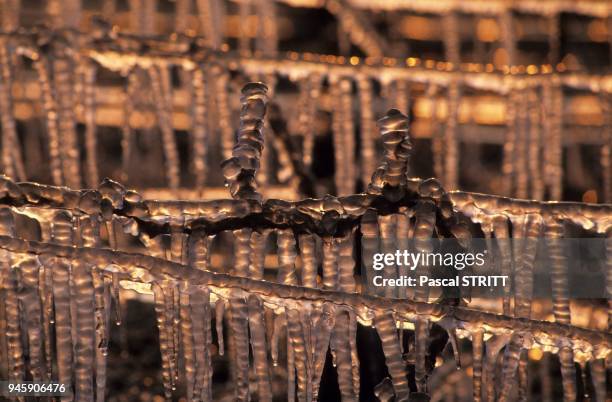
x: 67, y: 65
x: 67, y: 275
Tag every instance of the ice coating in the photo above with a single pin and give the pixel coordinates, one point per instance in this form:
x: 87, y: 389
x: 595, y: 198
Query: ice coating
x: 239, y: 170
x: 182, y: 280
x: 397, y: 145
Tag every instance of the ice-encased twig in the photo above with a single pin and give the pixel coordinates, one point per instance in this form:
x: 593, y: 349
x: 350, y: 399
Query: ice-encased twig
x: 239, y: 170
x: 398, y: 146
x: 166, y: 270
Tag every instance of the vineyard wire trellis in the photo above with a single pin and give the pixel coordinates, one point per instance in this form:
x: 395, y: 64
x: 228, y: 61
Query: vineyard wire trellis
x: 70, y: 279
x: 534, y: 171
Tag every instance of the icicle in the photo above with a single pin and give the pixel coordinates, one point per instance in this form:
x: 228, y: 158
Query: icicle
x: 259, y: 240
x: 165, y: 342
x: 286, y: 257
x: 290, y: 363
x: 175, y: 319
x: 11, y: 151
x: 493, y: 347
x: 200, y: 317
x: 258, y: 346
x: 240, y: 338
x: 16, y: 363
x: 85, y: 318
x: 477, y: 351
x: 178, y: 247
x: 63, y: 72
x: 450, y: 325
x: 421, y: 346
x: 388, y: 238
x: 200, y: 113
x: 321, y: 339
x: 522, y: 174
x: 344, y: 138
x: 385, y: 325
x: 368, y: 128
x: 330, y: 271
x: 554, y: 233
x: 451, y: 141
x: 403, y: 234
x: 309, y: 260
x: 535, y: 142
x: 308, y: 115
x: 509, y: 148
x: 187, y: 339
x: 127, y: 132
x: 210, y: 21
x: 46, y: 296
x: 352, y: 338
x: 30, y: 302
x: 223, y: 111
x: 170, y: 293
x: 161, y: 85
x: 297, y: 344
x: 341, y: 346
x: 523, y: 276
x: 553, y: 140
x: 89, y: 103
x: 598, y: 376
x: 369, y: 246
x: 102, y: 317
x: 502, y: 234
x: 115, y: 296
x: 199, y: 251
x: 424, y: 228
x: 63, y: 334
x: 219, y: 309
x: 275, y: 339
x: 346, y: 263
x: 50, y: 107
x: 568, y: 373
x: 511, y: 362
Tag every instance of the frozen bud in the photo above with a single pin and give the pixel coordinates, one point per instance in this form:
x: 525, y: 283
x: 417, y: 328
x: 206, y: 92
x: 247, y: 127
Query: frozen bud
x: 431, y: 188
x: 231, y: 168
x: 132, y: 196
